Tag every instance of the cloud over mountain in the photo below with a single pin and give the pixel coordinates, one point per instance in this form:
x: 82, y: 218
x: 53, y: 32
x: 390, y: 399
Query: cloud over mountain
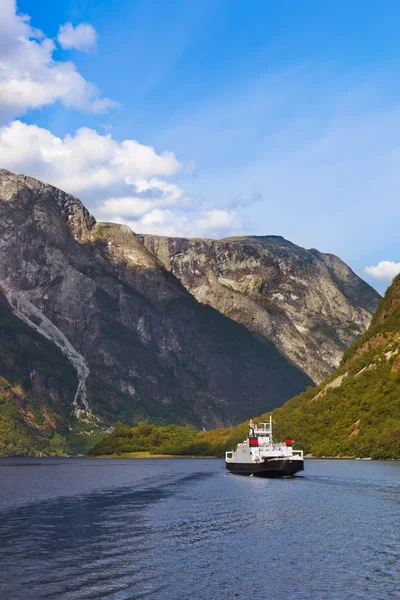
x: 120, y: 181
x: 385, y: 270
x: 83, y: 161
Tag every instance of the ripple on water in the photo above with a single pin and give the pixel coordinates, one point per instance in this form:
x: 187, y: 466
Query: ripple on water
x: 184, y: 530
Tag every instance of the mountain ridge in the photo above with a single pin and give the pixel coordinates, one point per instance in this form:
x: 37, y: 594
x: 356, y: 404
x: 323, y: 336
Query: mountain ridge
x: 311, y: 305
x: 143, y: 347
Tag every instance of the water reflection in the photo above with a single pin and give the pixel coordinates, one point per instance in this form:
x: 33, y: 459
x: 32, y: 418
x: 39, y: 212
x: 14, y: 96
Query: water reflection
x: 93, y: 546
x: 185, y: 530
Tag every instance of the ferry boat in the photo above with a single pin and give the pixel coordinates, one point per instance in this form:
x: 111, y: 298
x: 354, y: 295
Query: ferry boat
x: 259, y: 456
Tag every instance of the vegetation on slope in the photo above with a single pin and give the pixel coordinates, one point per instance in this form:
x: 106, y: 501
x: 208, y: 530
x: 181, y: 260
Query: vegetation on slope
x: 355, y: 412
x: 35, y: 382
x: 172, y: 440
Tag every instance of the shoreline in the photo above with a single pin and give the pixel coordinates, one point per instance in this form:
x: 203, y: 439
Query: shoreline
x: 144, y: 455
x: 147, y: 455
x: 312, y: 457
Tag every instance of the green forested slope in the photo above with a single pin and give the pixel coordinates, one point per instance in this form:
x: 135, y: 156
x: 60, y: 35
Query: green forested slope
x: 355, y: 412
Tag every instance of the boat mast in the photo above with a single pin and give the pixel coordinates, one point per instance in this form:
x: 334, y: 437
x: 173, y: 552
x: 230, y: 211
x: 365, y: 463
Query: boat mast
x: 252, y: 427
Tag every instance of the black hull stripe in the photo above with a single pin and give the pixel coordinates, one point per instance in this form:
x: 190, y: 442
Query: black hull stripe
x: 276, y: 468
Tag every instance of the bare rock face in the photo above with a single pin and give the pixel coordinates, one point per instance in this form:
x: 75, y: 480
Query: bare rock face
x: 310, y: 305
x: 141, y: 346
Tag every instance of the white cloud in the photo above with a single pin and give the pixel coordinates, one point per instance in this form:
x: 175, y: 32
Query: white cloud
x: 120, y: 182
x: 82, y: 37
x: 149, y: 194
x: 31, y: 78
x: 219, y: 220
x: 161, y: 222
x: 86, y: 161
x: 213, y: 223
x: 127, y: 207
x: 385, y: 270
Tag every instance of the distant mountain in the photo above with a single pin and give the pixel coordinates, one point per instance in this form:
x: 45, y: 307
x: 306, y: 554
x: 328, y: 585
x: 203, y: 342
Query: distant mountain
x: 141, y: 346
x: 353, y: 413
x: 310, y: 305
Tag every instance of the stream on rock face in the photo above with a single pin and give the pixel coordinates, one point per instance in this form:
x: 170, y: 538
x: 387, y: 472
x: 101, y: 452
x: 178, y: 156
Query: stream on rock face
x: 25, y: 310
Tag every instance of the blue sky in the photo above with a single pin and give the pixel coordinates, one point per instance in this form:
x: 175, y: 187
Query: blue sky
x: 262, y: 117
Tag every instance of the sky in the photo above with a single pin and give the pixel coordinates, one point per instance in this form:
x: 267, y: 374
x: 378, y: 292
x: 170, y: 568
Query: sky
x: 214, y: 118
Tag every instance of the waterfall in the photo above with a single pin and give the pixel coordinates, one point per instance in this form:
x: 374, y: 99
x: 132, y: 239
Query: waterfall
x: 25, y: 310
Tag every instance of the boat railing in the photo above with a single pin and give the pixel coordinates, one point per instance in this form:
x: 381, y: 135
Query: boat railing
x: 298, y: 453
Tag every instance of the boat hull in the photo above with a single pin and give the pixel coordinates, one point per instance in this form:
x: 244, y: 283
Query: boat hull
x: 269, y: 468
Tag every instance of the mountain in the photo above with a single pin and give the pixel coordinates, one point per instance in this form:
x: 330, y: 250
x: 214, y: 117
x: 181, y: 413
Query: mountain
x: 141, y: 346
x: 101, y: 325
x: 310, y: 305
x: 354, y: 413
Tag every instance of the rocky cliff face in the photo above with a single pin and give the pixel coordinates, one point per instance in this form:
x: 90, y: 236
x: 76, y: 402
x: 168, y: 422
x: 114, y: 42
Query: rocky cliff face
x: 310, y: 305
x: 141, y: 346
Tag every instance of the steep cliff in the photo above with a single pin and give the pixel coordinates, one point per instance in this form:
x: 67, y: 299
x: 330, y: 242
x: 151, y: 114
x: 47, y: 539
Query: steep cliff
x: 310, y: 305
x: 139, y: 343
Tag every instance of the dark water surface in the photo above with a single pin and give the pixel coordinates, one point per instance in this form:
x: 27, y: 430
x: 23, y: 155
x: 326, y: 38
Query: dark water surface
x: 183, y: 529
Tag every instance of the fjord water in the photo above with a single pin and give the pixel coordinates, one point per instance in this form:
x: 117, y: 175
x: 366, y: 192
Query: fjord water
x: 184, y: 529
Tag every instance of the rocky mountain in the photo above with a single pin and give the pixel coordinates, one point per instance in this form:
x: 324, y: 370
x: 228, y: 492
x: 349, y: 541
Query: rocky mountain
x: 102, y: 325
x: 310, y: 305
x: 141, y: 346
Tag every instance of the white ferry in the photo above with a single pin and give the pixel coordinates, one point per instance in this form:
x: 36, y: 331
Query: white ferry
x: 258, y: 455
